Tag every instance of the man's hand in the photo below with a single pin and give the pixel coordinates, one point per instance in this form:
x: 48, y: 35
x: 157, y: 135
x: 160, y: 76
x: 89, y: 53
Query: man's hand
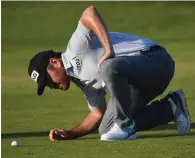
x: 88, y: 125
x: 106, y: 55
x: 58, y: 134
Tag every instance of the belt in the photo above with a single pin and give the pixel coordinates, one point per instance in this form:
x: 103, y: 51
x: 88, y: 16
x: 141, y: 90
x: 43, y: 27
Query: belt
x: 152, y: 49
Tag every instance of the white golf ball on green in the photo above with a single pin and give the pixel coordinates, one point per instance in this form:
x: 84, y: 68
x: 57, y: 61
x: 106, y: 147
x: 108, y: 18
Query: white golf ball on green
x: 14, y: 143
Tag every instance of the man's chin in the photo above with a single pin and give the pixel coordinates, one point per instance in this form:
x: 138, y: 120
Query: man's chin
x: 66, y: 87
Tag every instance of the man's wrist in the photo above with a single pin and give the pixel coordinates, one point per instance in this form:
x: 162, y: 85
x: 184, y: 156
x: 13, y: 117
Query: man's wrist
x: 71, y: 135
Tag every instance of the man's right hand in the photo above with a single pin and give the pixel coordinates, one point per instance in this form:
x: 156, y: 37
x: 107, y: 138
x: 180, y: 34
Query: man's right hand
x: 58, y: 134
x: 89, y: 124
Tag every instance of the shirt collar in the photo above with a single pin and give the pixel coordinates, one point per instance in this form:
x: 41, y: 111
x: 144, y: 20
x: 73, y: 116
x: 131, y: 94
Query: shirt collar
x: 66, y: 60
x: 67, y: 65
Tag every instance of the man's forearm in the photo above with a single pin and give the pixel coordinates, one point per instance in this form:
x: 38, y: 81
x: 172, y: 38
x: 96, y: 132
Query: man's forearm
x: 88, y: 125
x: 79, y: 131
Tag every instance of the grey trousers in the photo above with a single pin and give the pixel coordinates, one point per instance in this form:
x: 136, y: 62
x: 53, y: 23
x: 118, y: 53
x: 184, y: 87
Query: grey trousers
x: 134, y: 81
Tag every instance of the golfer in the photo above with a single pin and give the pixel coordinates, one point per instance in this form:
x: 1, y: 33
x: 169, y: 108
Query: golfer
x: 132, y: 69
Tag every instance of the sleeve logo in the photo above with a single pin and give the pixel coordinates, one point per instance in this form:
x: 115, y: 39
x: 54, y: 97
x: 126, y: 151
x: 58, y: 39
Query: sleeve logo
x: 78, y: 64
x: 35, y: 75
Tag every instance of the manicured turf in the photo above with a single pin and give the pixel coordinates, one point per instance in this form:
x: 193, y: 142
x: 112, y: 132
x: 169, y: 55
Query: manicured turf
x: 29, y: 27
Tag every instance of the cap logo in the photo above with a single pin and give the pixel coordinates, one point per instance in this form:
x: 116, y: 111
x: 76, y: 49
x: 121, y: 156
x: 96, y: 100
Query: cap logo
x: 34, y: 75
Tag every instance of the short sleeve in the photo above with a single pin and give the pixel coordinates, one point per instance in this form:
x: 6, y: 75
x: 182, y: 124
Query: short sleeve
x: 95, y: 98
x: 79, y: 41
x: 81, y: 29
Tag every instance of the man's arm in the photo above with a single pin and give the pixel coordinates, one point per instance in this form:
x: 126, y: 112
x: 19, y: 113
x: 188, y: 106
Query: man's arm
x: 93, y: 21
x: 88, y: 125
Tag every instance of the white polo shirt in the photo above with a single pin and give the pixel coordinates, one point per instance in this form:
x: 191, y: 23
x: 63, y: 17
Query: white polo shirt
x: 82, y: 56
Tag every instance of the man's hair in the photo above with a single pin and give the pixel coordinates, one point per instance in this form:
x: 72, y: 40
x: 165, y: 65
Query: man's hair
x: 58, y: 54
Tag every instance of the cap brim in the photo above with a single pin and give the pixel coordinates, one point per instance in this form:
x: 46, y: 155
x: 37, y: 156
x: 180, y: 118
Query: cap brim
x: 40, y: 90
x: 41, y: 86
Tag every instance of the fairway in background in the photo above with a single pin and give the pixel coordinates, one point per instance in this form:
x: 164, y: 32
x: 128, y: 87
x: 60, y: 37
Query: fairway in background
x: 29, y: 27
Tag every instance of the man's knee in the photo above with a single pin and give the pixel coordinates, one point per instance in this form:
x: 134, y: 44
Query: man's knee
x: 104, y: 125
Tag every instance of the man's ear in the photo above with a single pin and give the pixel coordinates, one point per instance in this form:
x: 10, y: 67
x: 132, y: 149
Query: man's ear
x: 55, y: 62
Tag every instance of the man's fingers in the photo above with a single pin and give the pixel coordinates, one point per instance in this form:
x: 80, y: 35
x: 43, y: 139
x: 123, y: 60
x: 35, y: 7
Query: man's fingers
x: 104, y: 57
x: 101, y: 61
x: 57, y: 134
x: 51, y: 135
x: 59, y: 131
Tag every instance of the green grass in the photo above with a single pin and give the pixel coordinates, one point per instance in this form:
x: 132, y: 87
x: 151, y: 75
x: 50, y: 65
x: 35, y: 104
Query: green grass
x: 29, y: 27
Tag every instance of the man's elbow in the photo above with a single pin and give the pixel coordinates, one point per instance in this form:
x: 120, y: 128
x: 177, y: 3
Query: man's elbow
x: 98, y: 115
x: 88, y: 13
x: 89, y: 10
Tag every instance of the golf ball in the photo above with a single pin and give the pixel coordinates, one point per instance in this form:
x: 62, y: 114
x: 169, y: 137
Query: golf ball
x: 14, y: 143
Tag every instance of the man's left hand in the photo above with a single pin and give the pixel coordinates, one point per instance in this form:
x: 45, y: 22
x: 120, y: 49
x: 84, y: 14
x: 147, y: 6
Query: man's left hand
x: 106, y: 56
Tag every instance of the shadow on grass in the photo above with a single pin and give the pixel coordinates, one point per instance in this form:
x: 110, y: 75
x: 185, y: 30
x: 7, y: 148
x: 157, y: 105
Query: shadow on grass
x: 24, y: 134
x: 170, y: 127
x: 46, y: 133
x: 37, y: 134
x: 160, y: 135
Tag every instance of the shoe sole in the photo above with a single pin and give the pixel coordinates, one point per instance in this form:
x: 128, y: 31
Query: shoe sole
x: 184, y: 108
x: 131, y: 137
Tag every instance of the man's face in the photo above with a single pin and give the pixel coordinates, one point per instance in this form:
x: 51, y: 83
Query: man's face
x: 57, y: 77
